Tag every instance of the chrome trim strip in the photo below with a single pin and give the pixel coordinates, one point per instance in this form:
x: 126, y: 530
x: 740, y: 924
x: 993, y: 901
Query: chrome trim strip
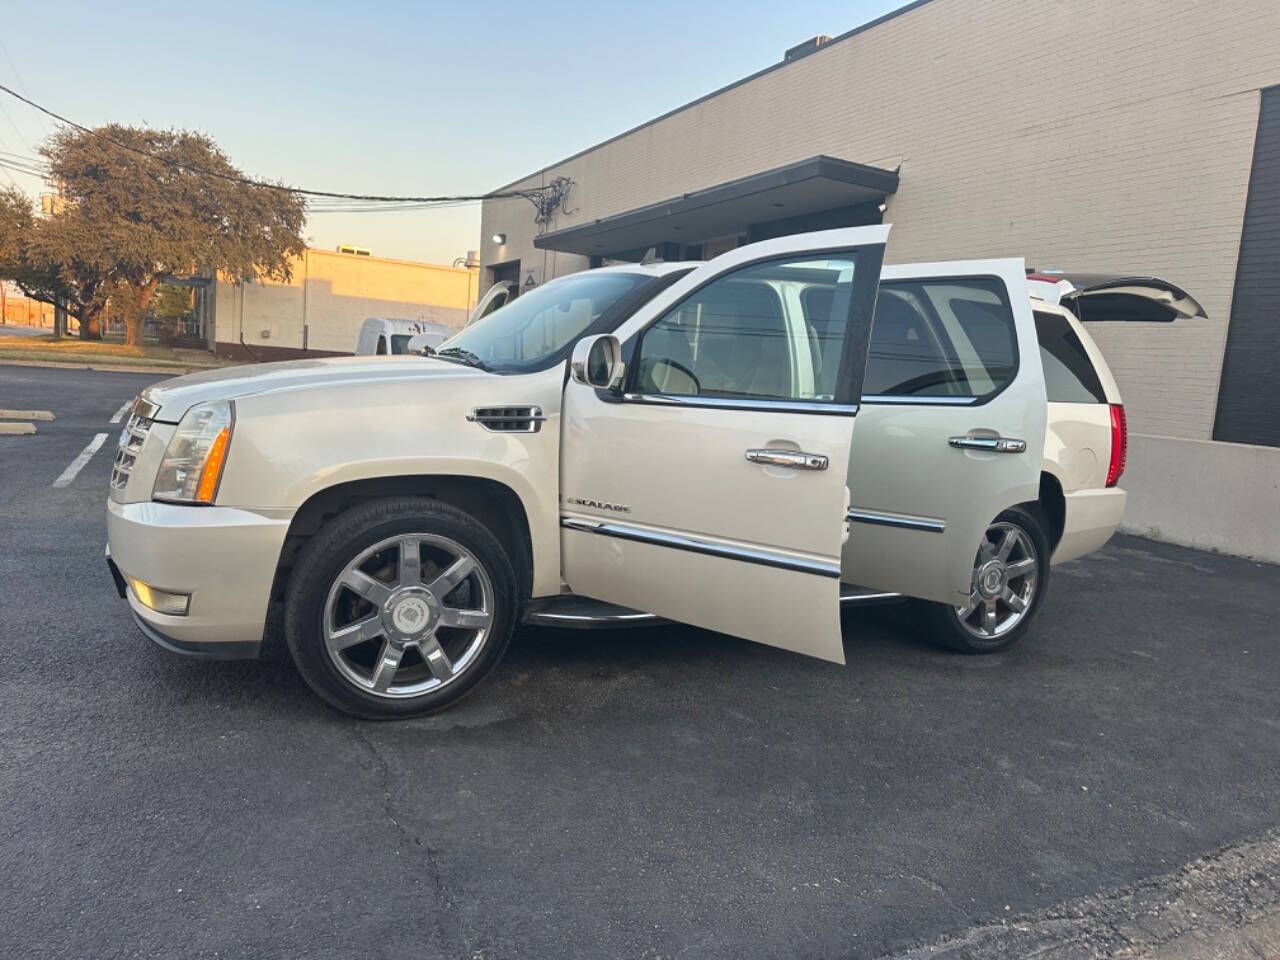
x: 733, y: 403
x: 893, y: 520
x: 852, y: 599
x: 541, y: 616
x: 922, y: 401
x: 767, y: 558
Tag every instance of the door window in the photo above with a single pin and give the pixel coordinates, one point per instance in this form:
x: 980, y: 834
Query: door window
x: 1069, y: 376
x: 744, y: 335
x: 949, y: 337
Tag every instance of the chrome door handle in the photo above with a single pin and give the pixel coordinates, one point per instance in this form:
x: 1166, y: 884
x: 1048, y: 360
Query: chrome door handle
x: 990, y: 444
x: 795, y: 459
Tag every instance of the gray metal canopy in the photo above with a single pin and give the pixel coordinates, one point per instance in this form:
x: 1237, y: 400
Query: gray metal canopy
x: 798, y: 189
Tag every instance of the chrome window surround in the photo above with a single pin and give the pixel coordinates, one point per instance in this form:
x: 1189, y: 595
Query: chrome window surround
x: 768, y: 558
x: 734, y: 403
x: 893, y: 520
x: 922, y: 401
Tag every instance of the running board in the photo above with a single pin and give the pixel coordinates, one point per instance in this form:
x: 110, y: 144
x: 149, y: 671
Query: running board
x: 582, y: 613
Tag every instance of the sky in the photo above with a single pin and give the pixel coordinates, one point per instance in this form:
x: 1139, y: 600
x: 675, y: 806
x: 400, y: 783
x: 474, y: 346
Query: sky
x: 389, y: 98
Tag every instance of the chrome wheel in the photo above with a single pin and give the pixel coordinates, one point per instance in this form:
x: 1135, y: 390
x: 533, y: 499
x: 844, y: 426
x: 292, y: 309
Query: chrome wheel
x: 408, y: 615
x: 1003, y: 587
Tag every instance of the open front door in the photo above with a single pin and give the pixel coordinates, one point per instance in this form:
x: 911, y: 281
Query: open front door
x: 711, y: 487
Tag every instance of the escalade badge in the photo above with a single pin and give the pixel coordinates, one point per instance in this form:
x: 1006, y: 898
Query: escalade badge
x: 600, y: 505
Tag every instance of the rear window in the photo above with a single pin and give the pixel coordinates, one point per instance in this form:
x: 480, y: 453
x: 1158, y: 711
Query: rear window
x: 1069, y: 376
x: 949, y: 337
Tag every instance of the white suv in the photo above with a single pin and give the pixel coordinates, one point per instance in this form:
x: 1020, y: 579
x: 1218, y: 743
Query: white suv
x: 727, y: 444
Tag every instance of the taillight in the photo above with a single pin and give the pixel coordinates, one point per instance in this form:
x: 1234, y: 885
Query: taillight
x: 1119, y: 444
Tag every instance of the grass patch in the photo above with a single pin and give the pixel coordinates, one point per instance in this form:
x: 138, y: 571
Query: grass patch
x: 69, y: 350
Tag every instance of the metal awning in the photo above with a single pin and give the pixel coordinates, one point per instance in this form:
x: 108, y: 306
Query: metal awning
x: 807, y: 187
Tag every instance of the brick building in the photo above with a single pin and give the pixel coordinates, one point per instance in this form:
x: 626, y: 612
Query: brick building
x: 1087, y: 134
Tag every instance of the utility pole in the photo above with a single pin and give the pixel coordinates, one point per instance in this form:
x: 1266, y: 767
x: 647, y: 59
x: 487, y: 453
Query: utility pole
x: 4, y: 303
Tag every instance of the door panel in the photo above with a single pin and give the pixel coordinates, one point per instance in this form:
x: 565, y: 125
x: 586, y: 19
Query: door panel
x: 700, y: 494
x: 925, y: 475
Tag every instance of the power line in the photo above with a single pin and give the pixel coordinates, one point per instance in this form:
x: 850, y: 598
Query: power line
x: 530, y: 195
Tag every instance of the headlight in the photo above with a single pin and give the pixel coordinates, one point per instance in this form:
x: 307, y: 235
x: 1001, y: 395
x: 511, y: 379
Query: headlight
x: 192, y: 464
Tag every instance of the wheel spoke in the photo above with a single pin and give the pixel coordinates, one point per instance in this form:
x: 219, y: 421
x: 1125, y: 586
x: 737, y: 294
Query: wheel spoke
x: 457, y: 571
x: 384, y: 670
x: 410, y: 563
x: 1020, y: 568
x: 989, y: 617
x: 353, y: 633
x: 372, y: 590
x: 464, y: 619
x: 1014, y: 600
x: 1006, y: 544
x: 965, y: 612
x: 437, y: 660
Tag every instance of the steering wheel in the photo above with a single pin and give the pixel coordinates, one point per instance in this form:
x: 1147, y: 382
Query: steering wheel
x: 664, y: 383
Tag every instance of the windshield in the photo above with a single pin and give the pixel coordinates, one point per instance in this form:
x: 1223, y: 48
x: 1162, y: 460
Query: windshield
x: 539, y: 324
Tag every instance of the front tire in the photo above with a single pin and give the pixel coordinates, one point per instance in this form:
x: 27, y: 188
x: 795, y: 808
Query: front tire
x: 399, y: 607
x: 1010, y: 577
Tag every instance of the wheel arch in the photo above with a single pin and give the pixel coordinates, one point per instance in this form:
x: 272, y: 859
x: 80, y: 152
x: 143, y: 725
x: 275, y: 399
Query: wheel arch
x: 490, y: 501
x: 1052, y: 506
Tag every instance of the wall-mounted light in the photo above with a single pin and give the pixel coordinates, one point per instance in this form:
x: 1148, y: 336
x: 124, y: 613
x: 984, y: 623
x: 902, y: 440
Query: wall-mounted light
x: 883, y: 208
x: 499, y: 238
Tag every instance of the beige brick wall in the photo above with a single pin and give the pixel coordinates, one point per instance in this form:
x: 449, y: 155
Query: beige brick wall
x: 1093, y: 134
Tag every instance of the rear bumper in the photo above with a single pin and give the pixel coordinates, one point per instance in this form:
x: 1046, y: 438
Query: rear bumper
x: 223, y: 557
x: 1092, y: 517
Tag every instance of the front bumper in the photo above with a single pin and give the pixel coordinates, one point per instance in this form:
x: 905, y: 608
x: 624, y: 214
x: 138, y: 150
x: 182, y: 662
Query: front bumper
x: 224, y: 557
x: 1092, y: 517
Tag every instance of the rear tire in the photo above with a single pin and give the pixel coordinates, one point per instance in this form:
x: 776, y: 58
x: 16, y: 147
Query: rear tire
x: 1010, y: 578
x: 399, y: 607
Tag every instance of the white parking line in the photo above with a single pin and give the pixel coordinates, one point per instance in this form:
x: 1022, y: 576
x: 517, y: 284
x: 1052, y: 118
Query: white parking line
x: 122, y: 411
x: 76, y: 465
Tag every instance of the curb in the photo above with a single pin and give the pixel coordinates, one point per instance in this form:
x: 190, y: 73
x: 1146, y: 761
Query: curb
x: 105, y: 367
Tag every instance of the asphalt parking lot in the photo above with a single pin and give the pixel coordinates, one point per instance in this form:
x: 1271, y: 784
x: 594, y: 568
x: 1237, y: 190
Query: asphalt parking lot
x: 655, y: 793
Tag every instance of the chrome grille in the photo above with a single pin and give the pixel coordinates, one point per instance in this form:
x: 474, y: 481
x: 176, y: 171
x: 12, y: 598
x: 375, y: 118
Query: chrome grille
x: 508, y: 419
x: 131, y: 440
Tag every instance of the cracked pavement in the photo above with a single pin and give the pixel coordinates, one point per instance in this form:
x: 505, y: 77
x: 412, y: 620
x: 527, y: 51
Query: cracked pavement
x: 657, y: 793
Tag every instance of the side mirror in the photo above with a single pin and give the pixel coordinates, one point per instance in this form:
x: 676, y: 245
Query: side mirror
x: 597, y: 362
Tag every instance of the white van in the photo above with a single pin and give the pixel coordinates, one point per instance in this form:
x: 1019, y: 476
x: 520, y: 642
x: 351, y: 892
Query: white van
x: 391, y: 335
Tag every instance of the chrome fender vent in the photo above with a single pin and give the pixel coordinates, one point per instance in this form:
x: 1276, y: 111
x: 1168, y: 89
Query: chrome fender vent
x: 508, y: 419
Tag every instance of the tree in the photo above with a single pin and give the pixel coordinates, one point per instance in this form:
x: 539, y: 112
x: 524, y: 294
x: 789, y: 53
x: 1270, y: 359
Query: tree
x: 136, y: 205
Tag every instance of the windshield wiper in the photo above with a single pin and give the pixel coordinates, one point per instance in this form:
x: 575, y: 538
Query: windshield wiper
x: 462, y: 355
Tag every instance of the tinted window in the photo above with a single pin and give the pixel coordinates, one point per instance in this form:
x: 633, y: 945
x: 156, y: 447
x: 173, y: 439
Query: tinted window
x: 382, y: 345
x: 1069, y: 376
x: 537, y: 326
x: 399, y: 341
x: 732, y: 338
x: 951, y: 337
